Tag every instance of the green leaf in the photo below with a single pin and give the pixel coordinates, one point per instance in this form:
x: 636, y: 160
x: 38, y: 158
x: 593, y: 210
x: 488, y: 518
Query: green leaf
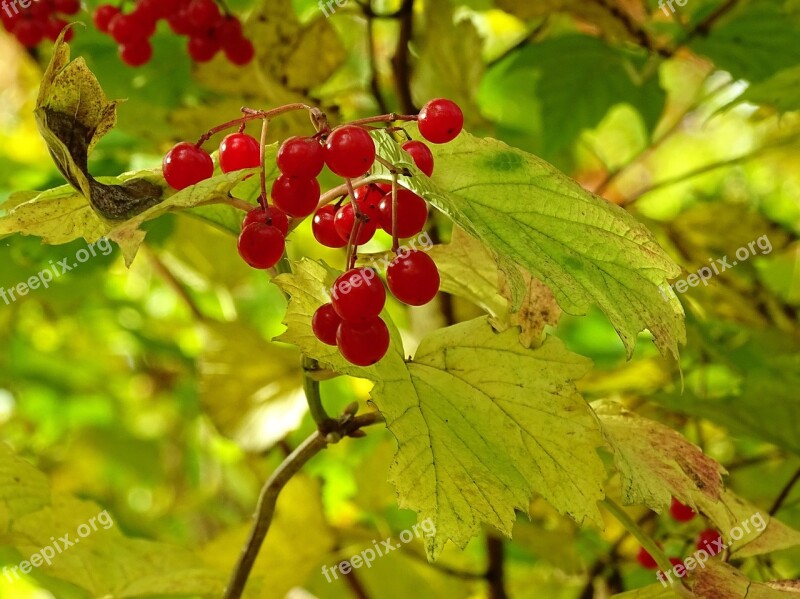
x: 23, y: 489
x: 62, y: 215
x: 550, y: 71
x: 585, y: 249
x: 469, y: 270
x: 781, y: 91
x: 753, y: 42
x: 656, y: 462
x: 476, y: 440
x: 104, y: 562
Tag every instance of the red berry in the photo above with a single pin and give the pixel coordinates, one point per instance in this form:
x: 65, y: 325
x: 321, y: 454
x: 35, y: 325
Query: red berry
x: 412, y: 213
x: 67, y: 7
x: 710, y: 540
x: 422, y: 155
x: 296, y: 196
x: 363, y: 343
x: 229, y: 29
x: 179, y: 23
x: 325, y: 324
x: 345, y: 220
x: 413, y: 278
x: 40, y: 11
x: 202, y: 48
x: 261, y: 245
x: 103, y: 16
x: 186, y: 164
x: 645, y: 559
x: 358, y: 295
x: 349, y: 151
x: 272, y: 216
x: 29, y: 33
x: 676, y: 561
x: 301, y: 157
x: 126, y: 29
x: 239, y: 151
x: 240, y: 51
x: 203, y: 14
x: 440, y: 121
x: 681, y: 512
x: 369, y: 200
x: 167, y: 8
x: 136, y: 54
x: 324, y: 228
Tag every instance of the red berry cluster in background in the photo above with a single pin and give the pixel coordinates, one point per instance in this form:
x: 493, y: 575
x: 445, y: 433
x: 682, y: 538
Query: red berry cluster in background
x: 43, y: 19
x: 209, y: 30
x: 706, y: 540
x: 352, y: 320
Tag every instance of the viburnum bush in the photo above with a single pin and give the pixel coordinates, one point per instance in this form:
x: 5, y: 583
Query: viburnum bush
x: 489, y: 419
x: 351, y: 321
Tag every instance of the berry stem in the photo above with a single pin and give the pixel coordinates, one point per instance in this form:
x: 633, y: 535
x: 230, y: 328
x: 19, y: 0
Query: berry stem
x: 263, y: 199
x: 360, y: 217
x: 395, y: 240
x: 385, y: 118
x: 392, y: 168
x: 248, y: 114
x: 313, y: 395
x: 654, y: 550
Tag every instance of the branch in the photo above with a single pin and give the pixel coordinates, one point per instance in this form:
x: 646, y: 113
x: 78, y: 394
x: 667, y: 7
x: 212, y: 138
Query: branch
x: 495, y: 575
x: 346, y: 426
x: 374, y: 80
x: 784, y: 494
x: 401, y: 59
x: 169, y: 277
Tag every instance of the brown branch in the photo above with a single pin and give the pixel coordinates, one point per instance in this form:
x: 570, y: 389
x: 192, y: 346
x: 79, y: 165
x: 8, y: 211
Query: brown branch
x: 402, y: 58
x: 374, y: 80
x: 784, y: 494
x: 495, y: 574
x: 346, y: 426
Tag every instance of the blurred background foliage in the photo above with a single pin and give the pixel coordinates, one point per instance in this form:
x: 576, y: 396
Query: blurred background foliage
x: 156, y: 393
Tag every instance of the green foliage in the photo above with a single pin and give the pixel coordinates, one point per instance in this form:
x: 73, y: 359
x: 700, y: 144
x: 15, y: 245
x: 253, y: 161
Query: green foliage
x: 166, y: 390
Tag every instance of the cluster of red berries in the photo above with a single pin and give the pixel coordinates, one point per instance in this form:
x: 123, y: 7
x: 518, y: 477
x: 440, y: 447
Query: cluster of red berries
x: 708, y: 540
x: 352, y: 320
x: 209, y: 30
x: 42, y: 20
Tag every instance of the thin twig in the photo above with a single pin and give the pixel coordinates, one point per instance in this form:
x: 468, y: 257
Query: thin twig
x: 346, y: 426
x: 784, y: 494
x: 313, y: 395
x: 181, y: 291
